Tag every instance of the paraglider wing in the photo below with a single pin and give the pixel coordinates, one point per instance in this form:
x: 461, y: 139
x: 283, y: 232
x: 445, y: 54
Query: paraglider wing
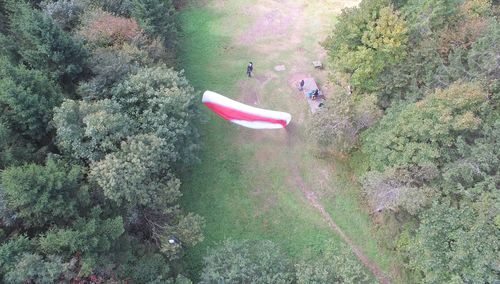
x: 245, y: 115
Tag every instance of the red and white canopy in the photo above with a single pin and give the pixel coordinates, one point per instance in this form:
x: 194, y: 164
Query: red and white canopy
x: 245, y: 115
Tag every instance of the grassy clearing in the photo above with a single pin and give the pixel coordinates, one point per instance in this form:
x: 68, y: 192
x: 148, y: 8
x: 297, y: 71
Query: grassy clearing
x: 244, y: 187
x: 222, y: 188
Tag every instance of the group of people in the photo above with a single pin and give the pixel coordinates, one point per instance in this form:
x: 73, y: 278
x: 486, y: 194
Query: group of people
x: 313, y: 94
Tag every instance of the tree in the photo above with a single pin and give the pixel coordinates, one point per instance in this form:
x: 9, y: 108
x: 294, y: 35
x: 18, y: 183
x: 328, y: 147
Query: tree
x: 457, y: 244
x: 427, y: 16
x: 16, y: 150
x: 139, y: 174
x: 365, y: 41
x: 32, y: 268
x: 102, y: 29
x: 27, y: 99
x: 331, y: 127
x: 43, y: 195
x: 247, y: 262
x: 479, y: 60
x: 157, y: 18
x: 91, y: 239
x: 42, y: 45
x: 111, y: 66
x: 90, y: 130
x: 65, y: 13
x: 476, y: 171
x: 341, y: 120
x: 400, y: 188
x: 336, y: 264
x: 117, y: 7
x: 90, y: 236
x: 426, y: 132
x: 140, y: 179
x: 164, y: 102
x: 11, y: 252
x: 187, y: 229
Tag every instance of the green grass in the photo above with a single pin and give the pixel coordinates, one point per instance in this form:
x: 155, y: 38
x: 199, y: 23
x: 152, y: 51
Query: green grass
x: 243, y: 187
x: 220, y: 188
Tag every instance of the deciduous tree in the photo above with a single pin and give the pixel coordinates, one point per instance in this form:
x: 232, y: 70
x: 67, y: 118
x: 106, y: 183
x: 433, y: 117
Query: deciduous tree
x: 164, y: 102
x: 247, y: 261
x: 365, y: 41
x: 426, y: 132
x: 336, y: 264
x: 457, y: 244
x: 89, y: 130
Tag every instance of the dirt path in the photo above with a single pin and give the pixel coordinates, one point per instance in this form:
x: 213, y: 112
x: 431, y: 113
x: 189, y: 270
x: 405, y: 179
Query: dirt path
x: 313, y: 200
x: 278, y: 28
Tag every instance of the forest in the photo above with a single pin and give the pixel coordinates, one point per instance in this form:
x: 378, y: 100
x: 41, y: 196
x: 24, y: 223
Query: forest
x: 426, y: 75
x: 96, y: 127
x: 100, y: 128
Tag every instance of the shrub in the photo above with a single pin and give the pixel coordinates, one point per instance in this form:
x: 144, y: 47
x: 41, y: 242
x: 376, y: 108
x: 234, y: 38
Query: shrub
x: 102, y: 29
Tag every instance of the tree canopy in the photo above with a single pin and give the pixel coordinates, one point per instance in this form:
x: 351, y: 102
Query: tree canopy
x: 430, y: 164
x: 89, y: 180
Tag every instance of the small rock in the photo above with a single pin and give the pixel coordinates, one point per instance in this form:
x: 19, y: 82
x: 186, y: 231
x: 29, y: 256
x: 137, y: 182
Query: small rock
x: 317, y: 64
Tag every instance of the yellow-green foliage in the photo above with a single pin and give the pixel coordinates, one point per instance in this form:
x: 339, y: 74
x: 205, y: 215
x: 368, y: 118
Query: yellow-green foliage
x: 425, y: 131
x: 366, y: 40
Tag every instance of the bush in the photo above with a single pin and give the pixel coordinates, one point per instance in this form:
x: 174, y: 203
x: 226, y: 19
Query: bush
x: 102, y: 29
x: 337, y: 264
x: 338, y: 124
x: 247, y: 262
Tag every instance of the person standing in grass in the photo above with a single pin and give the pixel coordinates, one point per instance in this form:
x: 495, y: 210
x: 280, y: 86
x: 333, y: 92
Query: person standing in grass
x: 250, y: 69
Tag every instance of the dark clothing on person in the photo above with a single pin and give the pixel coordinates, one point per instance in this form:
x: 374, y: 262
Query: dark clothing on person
x: 250, y: 69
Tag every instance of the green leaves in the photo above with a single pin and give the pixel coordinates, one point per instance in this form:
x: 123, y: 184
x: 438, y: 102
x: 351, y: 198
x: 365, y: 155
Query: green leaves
x: 88, y: 236
x: 27, y: 98
x: 139, y: 174
x: 164, y: 102
x: 247, y: 262
x: 365, y: 41
x: 456, y: 244
x: 44, y: 46
x: 400, y: 188
x: 426, y: 131
x: 34, y: 268
x: 90, y: 130
x: 337, y: 264
x: 157, y: 18
x: 43, y: 195
x: 119, y: 150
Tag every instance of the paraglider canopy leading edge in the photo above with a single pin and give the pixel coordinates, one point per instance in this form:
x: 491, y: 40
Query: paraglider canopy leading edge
x: 245, y: 115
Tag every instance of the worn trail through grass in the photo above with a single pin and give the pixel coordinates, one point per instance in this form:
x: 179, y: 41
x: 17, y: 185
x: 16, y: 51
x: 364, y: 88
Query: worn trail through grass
x: 267, y: 184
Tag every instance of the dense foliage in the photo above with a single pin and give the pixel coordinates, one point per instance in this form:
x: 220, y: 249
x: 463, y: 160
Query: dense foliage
x: 432, y: 159
x: 336, y: 264
x: 247, y: 262
x: 96, y: 128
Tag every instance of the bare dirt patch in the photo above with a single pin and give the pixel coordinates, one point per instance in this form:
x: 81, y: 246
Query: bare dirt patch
x: 273, y: 23
x: 248, y: 93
